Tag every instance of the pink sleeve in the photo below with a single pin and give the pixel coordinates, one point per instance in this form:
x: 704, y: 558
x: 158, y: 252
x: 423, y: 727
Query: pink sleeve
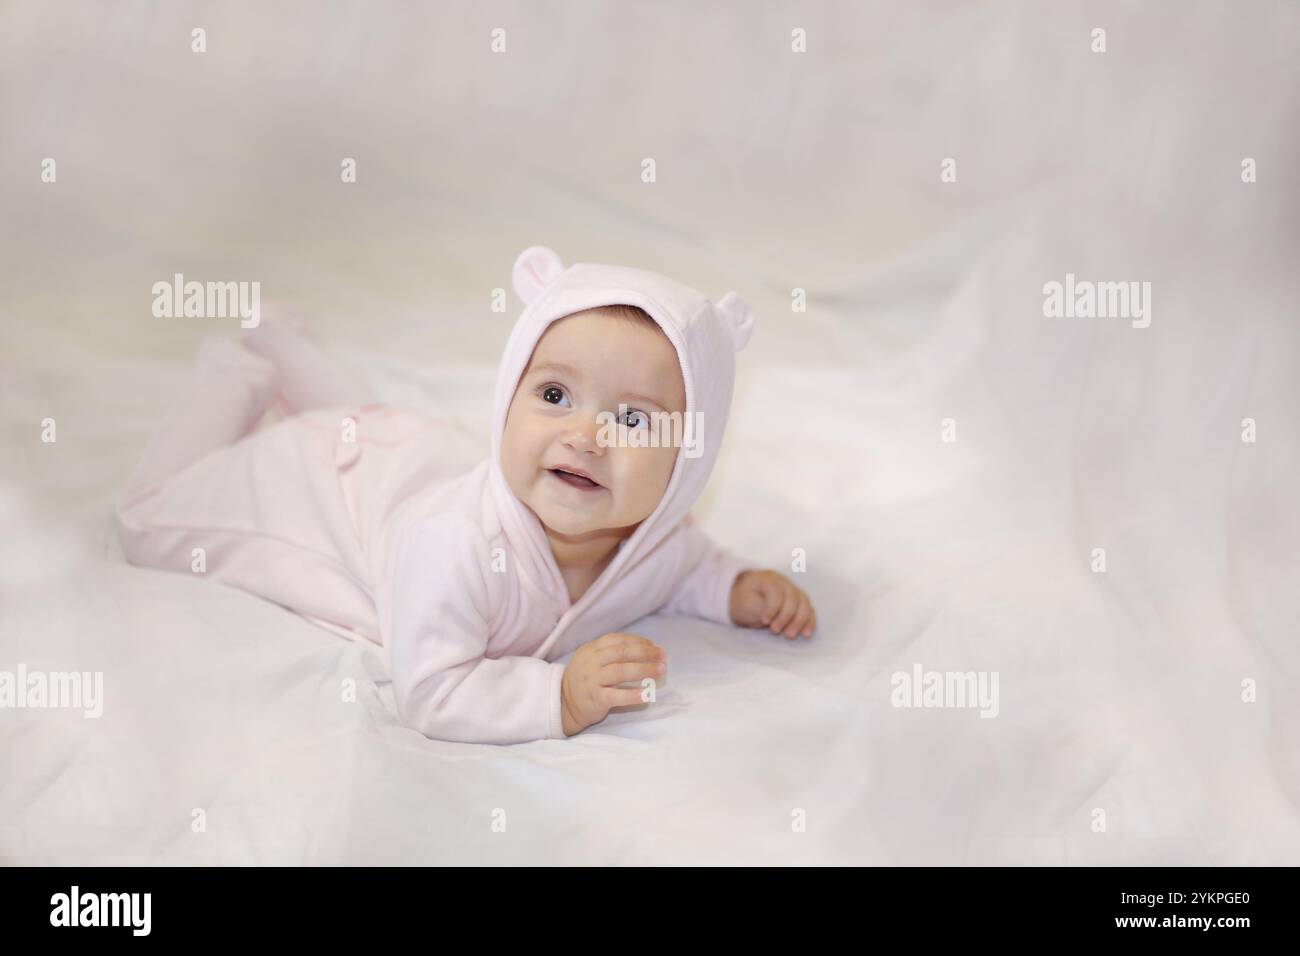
x: 705, y: 591
x: 437, y: 636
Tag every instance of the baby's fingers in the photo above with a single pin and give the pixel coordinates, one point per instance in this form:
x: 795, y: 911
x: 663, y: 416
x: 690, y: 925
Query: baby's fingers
x: 789, y: 607
x: 772, y: 596
x: 617, y: 673
x: 801, y: 619
x: 623, y: 648
x: 621, y: 696
x: 812, y: 622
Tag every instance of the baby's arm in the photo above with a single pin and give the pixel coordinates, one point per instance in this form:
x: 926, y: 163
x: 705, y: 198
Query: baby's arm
x: 724, y: 589
x: 437, y: 631
x: 705, y: 591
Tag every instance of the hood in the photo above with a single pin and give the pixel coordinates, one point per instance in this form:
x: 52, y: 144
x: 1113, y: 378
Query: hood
x: 706, y: 336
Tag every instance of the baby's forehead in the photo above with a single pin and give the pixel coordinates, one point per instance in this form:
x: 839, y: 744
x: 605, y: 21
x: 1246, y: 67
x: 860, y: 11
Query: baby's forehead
x: 591, y: 337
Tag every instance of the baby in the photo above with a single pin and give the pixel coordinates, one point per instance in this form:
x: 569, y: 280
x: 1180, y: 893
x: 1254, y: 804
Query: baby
x: 610, y: 405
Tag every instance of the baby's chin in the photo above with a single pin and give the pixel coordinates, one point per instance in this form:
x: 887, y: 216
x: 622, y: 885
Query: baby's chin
x: 573, y: 525
x: 570, y: 525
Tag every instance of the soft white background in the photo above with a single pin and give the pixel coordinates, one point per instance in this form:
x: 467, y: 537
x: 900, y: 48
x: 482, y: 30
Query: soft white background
x: 776, y: 170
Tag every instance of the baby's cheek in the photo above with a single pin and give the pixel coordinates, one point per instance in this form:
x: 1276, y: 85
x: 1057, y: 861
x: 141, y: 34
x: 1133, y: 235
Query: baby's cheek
x: 661, y: 468
x: 644, y: 475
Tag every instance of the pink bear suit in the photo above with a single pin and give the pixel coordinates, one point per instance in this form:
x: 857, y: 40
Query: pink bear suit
x: 374, y: 523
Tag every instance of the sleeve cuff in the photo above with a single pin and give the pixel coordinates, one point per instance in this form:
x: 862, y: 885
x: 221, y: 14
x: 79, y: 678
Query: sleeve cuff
x: 555, y: 719
x: 729, y: 568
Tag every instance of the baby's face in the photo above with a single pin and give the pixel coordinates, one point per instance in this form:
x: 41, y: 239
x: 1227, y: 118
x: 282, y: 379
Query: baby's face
x: 583, y: 365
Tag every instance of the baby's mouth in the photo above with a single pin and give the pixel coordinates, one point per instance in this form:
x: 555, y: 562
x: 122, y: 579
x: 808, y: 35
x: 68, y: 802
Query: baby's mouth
x: 575, y: 481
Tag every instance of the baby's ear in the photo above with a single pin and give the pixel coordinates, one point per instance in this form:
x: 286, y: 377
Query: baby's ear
x: 535, y: 269
x: 735, y: 312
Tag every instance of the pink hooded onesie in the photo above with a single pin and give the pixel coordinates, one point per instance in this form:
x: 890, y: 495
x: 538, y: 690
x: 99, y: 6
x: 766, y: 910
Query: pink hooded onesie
x: 364, y: 519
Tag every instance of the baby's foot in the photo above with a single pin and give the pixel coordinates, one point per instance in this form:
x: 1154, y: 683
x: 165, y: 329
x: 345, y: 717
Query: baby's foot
x: 214, y: 350
x: 307, y: 375
x: 278, y: 320
x: 282, y: 332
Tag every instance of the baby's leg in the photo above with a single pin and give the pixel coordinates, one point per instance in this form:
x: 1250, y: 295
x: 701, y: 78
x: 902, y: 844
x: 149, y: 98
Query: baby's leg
x: 307, y: 375
x: 227, y: 397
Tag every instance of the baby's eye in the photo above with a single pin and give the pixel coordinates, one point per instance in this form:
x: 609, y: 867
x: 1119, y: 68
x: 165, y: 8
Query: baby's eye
x: 635, y: 418
x: 553, y: 395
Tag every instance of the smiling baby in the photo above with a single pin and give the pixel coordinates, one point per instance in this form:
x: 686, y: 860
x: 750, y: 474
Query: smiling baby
x: 610, y: 406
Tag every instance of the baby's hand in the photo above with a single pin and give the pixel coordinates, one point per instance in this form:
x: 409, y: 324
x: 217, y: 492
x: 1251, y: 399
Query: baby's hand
x: 591, y: 678
x: 768, y: 599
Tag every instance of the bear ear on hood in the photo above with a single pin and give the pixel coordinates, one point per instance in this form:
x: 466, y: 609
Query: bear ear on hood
x: 535, y: 269
x: 738, y: 318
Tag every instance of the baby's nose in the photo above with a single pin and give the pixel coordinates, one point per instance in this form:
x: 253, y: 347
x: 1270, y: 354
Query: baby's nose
x: 585, y: 438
